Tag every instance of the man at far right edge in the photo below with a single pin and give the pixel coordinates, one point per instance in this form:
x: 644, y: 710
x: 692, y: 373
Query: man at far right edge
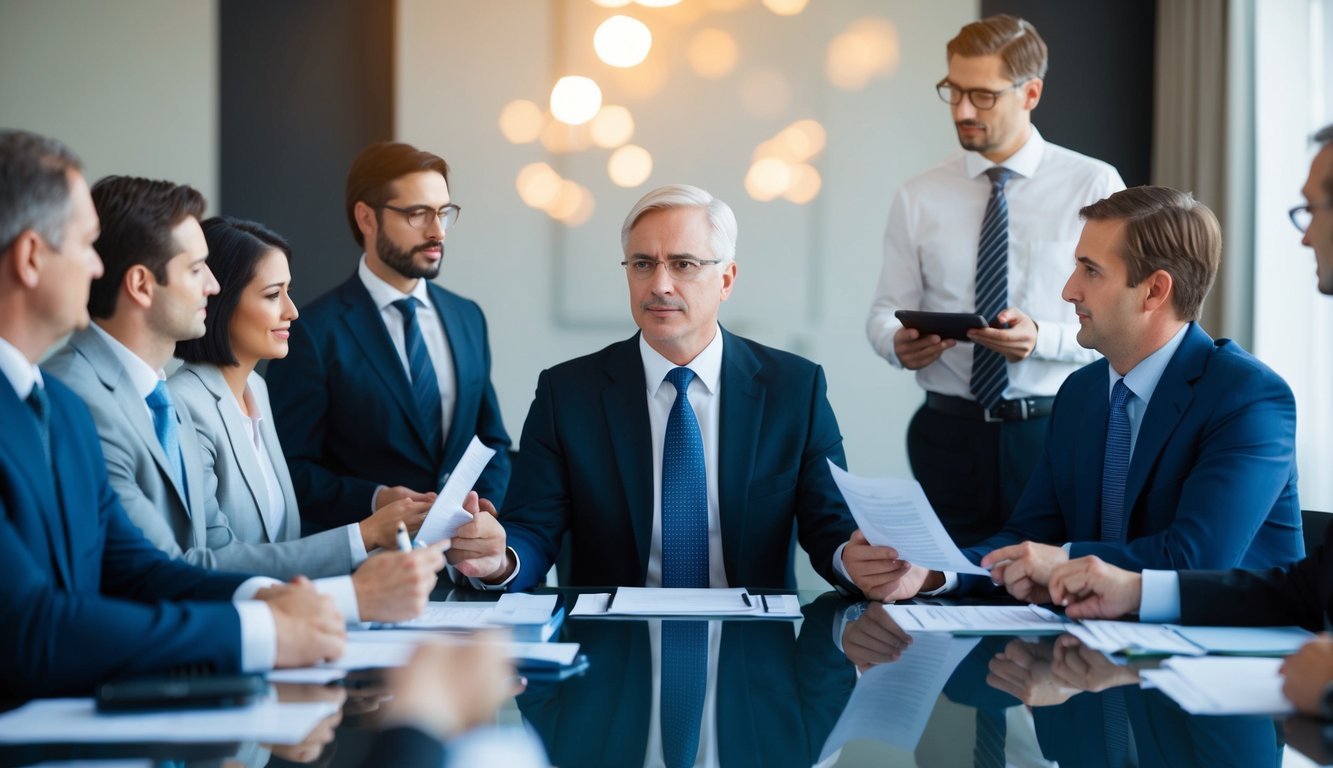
x: 990, y: 231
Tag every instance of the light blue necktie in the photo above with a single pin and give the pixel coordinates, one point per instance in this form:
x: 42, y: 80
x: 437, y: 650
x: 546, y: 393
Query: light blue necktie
x: 164, y: 424
x: 684, y: 564
x: 990, y: 372
x: 425, y: 387
x: 40, y: 404
x: 1115, y: 465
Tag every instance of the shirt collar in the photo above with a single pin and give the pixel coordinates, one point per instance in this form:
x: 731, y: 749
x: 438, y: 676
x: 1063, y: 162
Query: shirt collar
x: 1023, y: 163
x: 1142, y: 379
x: 20, y: 371
x: 707, y: 365
x: 384, y: 294
x: 142, y: 376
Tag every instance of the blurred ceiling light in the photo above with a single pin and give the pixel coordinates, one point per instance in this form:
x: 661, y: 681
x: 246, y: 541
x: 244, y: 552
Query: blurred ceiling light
x: 767, y: 179
x: 610, y: 3
x: 573, y: 205
x: 538, y: 185
x: 805, y: 184
x: 643, y: 81
x: 656, y: 3
x: 630, y: 166
x: 786, y: 7
x: 561, y: 137
x: 575, y: 99
x: 712, y: 53
x: 724, y: 6
x: 612, y: 127
x: 868, y: 48
x: 801, y: 141
x: 622, y: 41
x: 521, y: 121
x: 765, y: 93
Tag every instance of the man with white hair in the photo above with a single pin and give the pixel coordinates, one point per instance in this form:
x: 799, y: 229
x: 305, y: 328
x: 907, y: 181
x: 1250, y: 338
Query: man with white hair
x: 654, y: 493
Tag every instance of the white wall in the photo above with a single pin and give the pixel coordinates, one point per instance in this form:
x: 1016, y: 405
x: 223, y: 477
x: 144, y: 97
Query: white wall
x: 130, y: 85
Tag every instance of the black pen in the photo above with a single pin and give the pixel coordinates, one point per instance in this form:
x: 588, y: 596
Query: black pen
x: 746, y: 597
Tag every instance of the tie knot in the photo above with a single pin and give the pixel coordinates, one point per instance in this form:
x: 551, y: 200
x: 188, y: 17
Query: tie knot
x: 159, y: 397
x: 38, y: 401
x: 1120, y: 394
x: 998, y: 175
x: 680, y: 378
x: 407, y: 306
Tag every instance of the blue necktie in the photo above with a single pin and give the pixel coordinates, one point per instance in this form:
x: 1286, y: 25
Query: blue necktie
x: 164, y: 424
x: 1115, y: 465
x: 41, y: 408
x: 990, y: 372
x: 684, y: 564
x: 425, y: 387
x: 988, y: 751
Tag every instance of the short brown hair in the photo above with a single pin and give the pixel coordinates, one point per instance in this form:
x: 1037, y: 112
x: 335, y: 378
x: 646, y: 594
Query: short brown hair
x: 1169, y: 230
x: 1014, y: 40
x: 378, y: 166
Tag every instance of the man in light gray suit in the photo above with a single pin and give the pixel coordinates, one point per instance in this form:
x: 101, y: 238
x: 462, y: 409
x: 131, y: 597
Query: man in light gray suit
x: 154, y: 293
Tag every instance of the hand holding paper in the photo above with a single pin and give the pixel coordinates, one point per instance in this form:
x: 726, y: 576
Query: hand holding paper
x: 447, y: 514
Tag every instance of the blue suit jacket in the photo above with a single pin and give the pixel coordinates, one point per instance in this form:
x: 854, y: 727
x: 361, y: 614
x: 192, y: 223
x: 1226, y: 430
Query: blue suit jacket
x: 1212, y: 482
x: 586, y: 467
x: 344, y: 409
x: 86, y: 596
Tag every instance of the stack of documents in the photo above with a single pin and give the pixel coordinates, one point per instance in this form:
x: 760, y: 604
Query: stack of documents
x: 375, y: 649
x: 972, y: 620
x: 530, y: 617
x: 661, y: 601
x: 63, y: 721
x: 1221, y: 686
x: 1135, y: 639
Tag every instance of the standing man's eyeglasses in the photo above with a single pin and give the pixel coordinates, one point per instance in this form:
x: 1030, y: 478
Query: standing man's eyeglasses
x: 1302, y: 215
x: 418, y: 216
x: 980, y: 98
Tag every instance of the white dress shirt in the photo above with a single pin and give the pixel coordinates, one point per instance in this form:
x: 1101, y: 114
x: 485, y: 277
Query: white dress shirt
x: 259, y: 632
x: 707, y: 756
x: 930, y: 258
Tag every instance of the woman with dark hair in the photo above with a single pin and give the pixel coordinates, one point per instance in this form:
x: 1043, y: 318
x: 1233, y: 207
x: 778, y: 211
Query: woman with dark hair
x: 247, y: 321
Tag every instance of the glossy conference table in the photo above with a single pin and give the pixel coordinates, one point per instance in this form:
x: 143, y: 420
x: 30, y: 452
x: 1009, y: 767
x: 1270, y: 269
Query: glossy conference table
x: 842, y: 686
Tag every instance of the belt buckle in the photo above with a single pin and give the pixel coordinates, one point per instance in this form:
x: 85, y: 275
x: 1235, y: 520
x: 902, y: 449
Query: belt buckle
x: 988, y: 418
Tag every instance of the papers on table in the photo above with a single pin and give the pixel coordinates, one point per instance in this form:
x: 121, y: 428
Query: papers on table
x: 447, y: 515
x: 1221, y: 686
x: 1133, y: 638
x: 977, y: 619
x: 672, y: 601
x: 894, y: 512
x: 513, y: 609
x: 76, y: 721
x: 369, y: 649
x: 892, y: 702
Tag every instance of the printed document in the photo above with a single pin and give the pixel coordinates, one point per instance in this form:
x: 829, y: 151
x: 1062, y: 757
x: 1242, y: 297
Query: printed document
x: 977, y: 619
x: 1221, y: 686
x: 65, y: 721
x: 447, y: 515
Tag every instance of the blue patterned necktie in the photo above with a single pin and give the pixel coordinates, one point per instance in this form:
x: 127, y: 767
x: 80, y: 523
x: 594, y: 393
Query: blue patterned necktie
x: 988, y: 751
x: 40, y: 404
x: 684, y: 564
x: 990, y: 372
x: 164, y: 425
x: 425, y: 387
x: 1115, y: 465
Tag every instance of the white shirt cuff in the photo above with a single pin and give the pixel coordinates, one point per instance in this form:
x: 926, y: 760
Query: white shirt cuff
x: 840, y: 567
x: 357, y: 544
x: 252, y: 585
x: 1160, y: 601
x: 950, y: 584
x: 343, y: 592
x: 259, y: 636
x: 374, y: 496
x: 479, y: 584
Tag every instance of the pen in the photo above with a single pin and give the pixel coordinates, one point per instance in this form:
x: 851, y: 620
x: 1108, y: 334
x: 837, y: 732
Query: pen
x: 746, y: 597
x: 404, y: 543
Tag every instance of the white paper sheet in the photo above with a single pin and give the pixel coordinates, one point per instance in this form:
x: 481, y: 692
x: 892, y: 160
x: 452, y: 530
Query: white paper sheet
x: 894, y: 512
x: 659, y: 601
x: 1133, y: 638
x: 67, y: 721
x: 447, y: 515
x: 892, y: 703
x: 1213, y: 685
x: 591, y: 604
x: 977, y: 619
x: 398, y: 645
x: 307, y: 675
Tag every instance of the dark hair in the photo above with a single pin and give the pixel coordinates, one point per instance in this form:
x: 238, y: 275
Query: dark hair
x: 1324, y: 138
x: 376, y: 168
x: 235, y: 248
x: 137, y: 218
x: 1169, y: 230
x: 1014, y: 40
x: 34, y: 186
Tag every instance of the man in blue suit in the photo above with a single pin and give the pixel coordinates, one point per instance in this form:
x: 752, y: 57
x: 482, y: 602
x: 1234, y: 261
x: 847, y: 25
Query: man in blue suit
x: 1175, y: 451
x: 85, y: 596
x: 388, y: 376
x: 647, y: 485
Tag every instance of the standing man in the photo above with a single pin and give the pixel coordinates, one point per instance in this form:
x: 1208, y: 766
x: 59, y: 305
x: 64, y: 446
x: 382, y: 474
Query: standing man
x: 85, y: 596
x: 988, y: 231
x: 389, y: 375
x: 152, y: 294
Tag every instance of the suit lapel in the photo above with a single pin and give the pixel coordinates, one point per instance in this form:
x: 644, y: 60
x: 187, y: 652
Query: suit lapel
x: 1091, y: 421
x: 625, y: 403
x: 463, y: 350
x: 268, y: 433
x: 23, y: 452
x: 238, y: 439
x: 740, y: 412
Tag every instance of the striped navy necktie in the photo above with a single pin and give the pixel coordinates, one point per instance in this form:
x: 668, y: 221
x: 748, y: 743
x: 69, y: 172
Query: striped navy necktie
x: 990, y: 371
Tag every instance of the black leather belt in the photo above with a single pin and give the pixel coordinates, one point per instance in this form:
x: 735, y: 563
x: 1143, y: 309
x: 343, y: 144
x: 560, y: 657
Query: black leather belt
x: 1005, y: 410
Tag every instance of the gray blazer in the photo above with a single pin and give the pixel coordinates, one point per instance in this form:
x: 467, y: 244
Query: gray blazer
x: 135, y: 462
x: 234, y: 484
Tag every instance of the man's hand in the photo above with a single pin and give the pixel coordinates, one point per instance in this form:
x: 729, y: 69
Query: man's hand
x: 916, y: 351
x: 1023, y: 670
x: 479, y: 546
x: 394, y: 586
x: 1015, y: 340
x: 1306, y: 673
x: 1078, y: 666
x: 379, y: 531
x: 880, y: 575
x: 873, y: 639
x: 449, y: 689
x: 309, y: 628
x: 386, y: 495
x: 1089, y: 588
x: 1025, y: 569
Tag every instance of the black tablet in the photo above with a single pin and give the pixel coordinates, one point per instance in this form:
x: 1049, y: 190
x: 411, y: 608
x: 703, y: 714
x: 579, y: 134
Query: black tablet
x: 946, y: 325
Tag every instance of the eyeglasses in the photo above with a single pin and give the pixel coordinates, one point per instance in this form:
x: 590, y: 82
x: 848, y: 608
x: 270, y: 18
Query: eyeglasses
x: 679, y: 269
x: 418, y: 216
x: 1302, y: 215
x: 981, y: 99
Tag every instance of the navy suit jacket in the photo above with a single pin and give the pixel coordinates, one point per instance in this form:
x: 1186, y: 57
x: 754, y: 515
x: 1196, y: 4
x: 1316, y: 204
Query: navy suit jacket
x: 344, y: 409
x: 1212, y: 482
x: 86, y: 596
x: 586, y: 467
